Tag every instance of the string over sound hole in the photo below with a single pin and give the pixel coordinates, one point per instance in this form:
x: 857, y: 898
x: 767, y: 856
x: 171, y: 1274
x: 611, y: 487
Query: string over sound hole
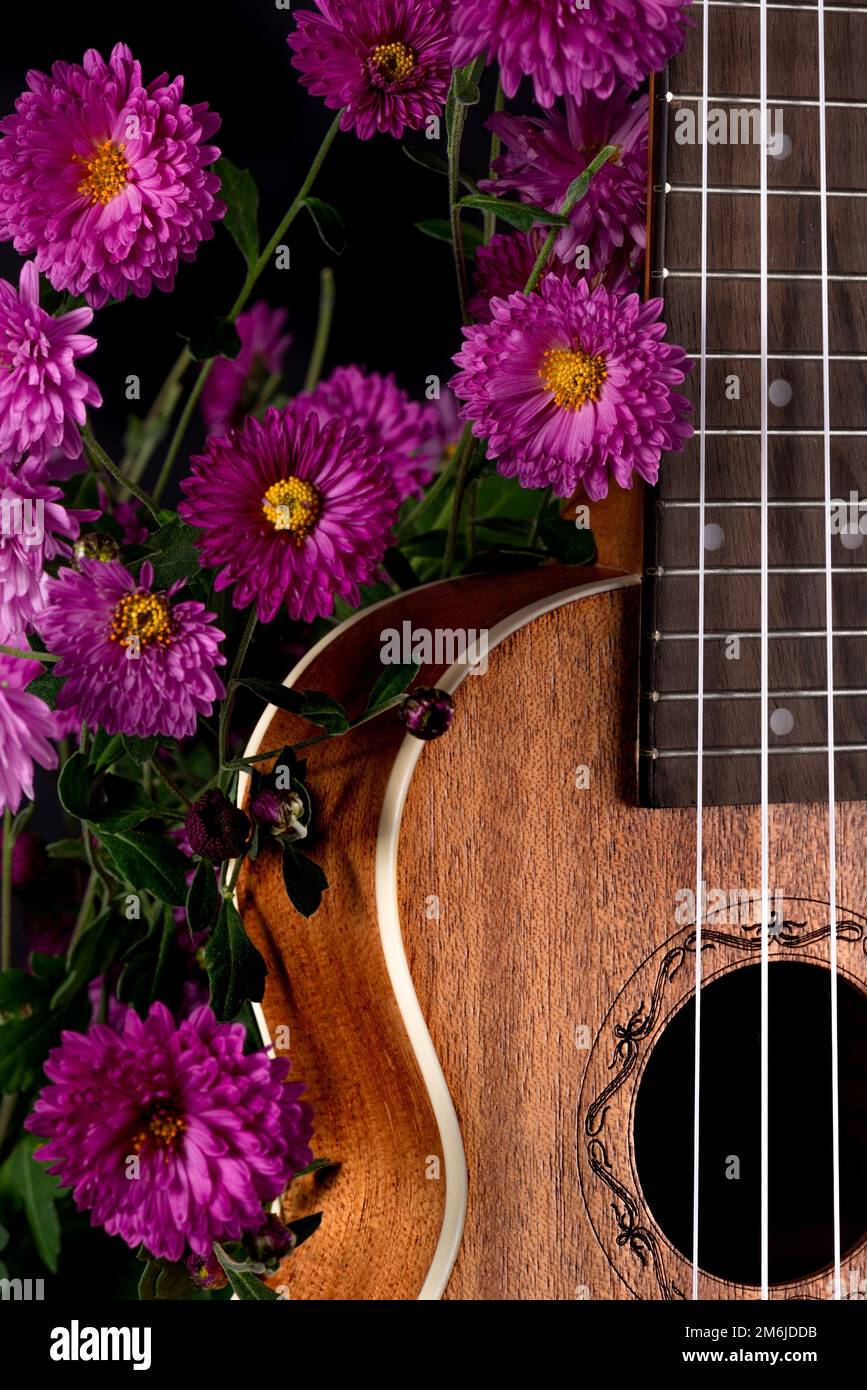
x: 800, y: 1155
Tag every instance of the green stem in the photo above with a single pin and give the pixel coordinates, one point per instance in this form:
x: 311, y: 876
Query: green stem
x: 28, y: 656
x: 537, y: 519
x: 7, y: 1110
x: 98, y: 455
x: 228, y: 702
x: 456, y: 135
x: 133, y: 466
x: 327, y: 296
x: 443, y: 478
x: 246, y: 290
x: 577, y: 190
x: 6, y: 894
x: 491, y: 217
x: 469, y: 455
x: 83, y: 911
x: 169, y: 782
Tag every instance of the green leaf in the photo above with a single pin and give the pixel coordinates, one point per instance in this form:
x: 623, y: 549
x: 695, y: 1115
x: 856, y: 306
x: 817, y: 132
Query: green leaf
x: 571, y: 544
x: 45, y: 688
x: 313, y: 705
x: 429, y: 159
x: 105, y: 750
x: 162, y: 1280
x: 245, y: 1285
x: 304, y: 881
x: 524, y: 216
x: 27, y: 1037
x: 440, y: 228
x: 466, y: 89
x: 27, y: 1183
x: 329, y: 224
x: 391, y: 682
x: 125, y: 805
x: 203, y: 898
x: 172, y: 552
x: 220, y: 339
x: 141, y: 750
x: 74, y: 786
x: 151, y: 965
x: 148, y: 862
x: 578, y: 187
x: 304, y: 1227
x: 66, y: 849
x: 242, y: 208
x: 236, y: 970
x: 94, y: 954
x: 398, y: 568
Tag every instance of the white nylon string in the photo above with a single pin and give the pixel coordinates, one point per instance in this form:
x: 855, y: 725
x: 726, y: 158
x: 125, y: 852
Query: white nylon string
x: 829, y: 653
x: 699, y: 762
x: 763, y: 282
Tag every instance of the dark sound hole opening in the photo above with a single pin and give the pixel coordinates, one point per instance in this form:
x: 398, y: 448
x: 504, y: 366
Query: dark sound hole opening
x: 800, y: 1236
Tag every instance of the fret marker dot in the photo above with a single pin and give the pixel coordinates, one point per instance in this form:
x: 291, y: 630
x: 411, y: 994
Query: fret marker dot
x: 783, y: 150
x: 851, y: 537
x: 780, y: 392
x: 714, y: 536
x: 782, y: 722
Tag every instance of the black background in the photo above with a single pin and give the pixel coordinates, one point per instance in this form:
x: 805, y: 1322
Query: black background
x: 396, y: 298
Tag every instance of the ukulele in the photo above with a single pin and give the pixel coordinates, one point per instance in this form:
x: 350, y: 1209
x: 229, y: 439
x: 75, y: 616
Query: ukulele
x: 583, y: 1013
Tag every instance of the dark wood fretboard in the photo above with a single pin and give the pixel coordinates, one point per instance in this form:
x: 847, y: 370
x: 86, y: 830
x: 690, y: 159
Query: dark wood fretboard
x: 798, y: 736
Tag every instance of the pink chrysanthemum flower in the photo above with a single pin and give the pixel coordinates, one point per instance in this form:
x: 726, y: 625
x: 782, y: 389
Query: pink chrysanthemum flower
x: 546, y: 153
x: 506, y: 263
x: 26, y: 725
x: 391, y: 422
x: 386, y: 63
x: 234, y: 386
x: 43, y: 397
x: 217, y: 1133
x: 291, y: 510
x: 574, y: 385
x: 32, y: 519
x: 105, y: 178
x: 566, y: 47
x: 134, y: 661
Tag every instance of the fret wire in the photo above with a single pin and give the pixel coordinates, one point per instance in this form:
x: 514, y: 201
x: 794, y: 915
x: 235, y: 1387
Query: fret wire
x: 665, y: 695
x: 743, y: 190
x: 679, y: 573
x: 777, y: 101
x: 790, y: 434
x: 780, y: 5
x: 670, y: 503
x: 783, y: 356
x: 754, y: 635
x: 666, y: 274
x: 775, y: 751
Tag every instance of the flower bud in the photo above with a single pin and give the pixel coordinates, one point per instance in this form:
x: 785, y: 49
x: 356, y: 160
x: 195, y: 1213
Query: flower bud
x: 95, y: 545
x: 282, y: 811
x: 428, y: 713
x: 206, y: 1272
x: 271, y: 1242
x: 215, y: 828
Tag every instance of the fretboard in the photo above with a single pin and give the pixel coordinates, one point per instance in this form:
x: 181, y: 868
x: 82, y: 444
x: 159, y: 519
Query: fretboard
x: 796, y: 290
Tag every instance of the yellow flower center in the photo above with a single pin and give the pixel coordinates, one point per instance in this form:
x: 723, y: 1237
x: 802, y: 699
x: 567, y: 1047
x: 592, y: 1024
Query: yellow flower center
x: 105, y: 172
x: 393, y: 61
x: 572, y: 376
x: 292, y: 505
x: 141, y: 619
x: 161, y: 1126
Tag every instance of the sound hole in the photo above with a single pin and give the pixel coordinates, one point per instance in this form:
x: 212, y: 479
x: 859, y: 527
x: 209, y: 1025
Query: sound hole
x: 800, y: 1239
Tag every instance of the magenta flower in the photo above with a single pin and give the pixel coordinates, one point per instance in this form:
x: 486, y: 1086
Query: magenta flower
x: 291, y: 511
x: 386, y: 63
x: 565, y: 46
x: 105, y: 178
x: 574, y: 385
x: 505, y: 265
x: 43, y: 397
x: 546, y: 153
x: 26, y: 725
x: 215, y: 1133
x: 32, y: 520
x: 391, y: 422
x: 134, y: 661
x: 233, y: 388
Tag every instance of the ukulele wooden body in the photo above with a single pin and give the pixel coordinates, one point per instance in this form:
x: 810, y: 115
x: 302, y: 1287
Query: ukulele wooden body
x: 474, y: 1004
